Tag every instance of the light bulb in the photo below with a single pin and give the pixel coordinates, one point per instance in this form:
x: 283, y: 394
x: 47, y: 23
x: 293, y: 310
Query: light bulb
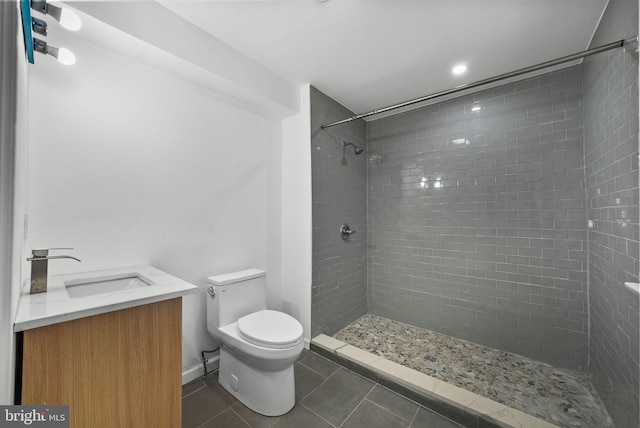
x: 63, y: 55
x: 66, y: 57
x: 67, y: 18
x: 70, y: 20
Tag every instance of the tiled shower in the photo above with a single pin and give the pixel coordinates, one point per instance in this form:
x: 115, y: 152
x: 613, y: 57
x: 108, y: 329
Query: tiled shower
x: 477, y: 217
x: 507, y: 217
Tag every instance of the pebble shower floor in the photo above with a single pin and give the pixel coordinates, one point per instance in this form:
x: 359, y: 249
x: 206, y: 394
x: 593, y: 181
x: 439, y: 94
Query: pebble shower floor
x: 562, y: 397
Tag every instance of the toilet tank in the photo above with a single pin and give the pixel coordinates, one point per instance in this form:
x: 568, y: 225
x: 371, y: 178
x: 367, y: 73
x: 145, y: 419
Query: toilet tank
x: 236, y: 294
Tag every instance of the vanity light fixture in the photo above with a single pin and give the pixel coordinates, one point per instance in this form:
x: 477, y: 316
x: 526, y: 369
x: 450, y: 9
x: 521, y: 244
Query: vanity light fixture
x: 64, y: 56
x: 39, y: 26
x: 66, y: 17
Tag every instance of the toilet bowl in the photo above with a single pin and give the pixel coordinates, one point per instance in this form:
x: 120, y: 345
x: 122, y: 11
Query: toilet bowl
x: 258, y: 346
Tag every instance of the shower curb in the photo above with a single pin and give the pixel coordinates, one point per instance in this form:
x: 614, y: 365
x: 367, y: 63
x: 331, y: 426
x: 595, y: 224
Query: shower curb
x: 462, y: 406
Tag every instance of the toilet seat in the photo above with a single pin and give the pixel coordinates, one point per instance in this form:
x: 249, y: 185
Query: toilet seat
x: 270, y: 329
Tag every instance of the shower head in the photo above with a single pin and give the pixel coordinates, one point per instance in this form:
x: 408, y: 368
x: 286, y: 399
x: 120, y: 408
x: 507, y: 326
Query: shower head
x: 357, y: 149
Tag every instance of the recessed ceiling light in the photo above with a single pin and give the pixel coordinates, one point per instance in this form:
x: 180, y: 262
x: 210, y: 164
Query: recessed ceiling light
x: 459, y: 69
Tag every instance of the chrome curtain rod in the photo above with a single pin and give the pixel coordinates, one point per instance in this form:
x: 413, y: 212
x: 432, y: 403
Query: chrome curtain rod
x: 603, y: 48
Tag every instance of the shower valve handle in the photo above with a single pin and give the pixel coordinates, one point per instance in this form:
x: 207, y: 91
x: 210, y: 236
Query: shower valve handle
x: 346, y: 232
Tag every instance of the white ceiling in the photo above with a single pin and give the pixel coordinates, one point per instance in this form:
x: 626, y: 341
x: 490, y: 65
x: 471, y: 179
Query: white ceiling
x: 368, y: 54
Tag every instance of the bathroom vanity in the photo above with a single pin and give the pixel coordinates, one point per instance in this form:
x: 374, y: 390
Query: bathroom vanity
x: 114, y: 356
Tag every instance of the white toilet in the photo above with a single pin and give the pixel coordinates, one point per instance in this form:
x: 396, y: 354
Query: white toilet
x: 258, y: 347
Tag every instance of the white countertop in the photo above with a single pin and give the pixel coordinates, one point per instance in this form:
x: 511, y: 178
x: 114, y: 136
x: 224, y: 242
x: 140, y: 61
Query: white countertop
x: 55, y: 305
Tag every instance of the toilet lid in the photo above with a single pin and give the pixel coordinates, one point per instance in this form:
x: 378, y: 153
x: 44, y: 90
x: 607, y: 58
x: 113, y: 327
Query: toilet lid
x: 270, y: 329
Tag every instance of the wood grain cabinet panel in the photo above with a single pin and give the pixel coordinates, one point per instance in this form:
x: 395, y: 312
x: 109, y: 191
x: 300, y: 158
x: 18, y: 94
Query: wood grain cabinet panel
x: 119, y: 369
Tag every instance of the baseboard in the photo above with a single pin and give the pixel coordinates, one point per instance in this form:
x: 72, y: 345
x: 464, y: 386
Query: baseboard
x: 195, y: 372
x: 213, y: 363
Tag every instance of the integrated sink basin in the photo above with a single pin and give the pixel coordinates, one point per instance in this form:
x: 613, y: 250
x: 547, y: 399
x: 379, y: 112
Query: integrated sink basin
x: 84, y: 294
x: 92, y: 286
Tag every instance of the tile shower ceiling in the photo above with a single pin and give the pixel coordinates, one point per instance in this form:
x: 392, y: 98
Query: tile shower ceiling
x: 368, y: 54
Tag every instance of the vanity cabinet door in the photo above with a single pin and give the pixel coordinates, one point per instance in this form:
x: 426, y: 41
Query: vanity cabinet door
x: 119, y: 369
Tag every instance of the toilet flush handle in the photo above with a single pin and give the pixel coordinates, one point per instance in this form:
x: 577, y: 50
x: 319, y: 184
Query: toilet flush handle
x: 211, y: 292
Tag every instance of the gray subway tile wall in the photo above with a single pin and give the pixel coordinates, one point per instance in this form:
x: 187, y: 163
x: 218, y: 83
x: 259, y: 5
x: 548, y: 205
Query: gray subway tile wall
x: 477, y: 218
x: 611, y: 168
x: 339, y: 283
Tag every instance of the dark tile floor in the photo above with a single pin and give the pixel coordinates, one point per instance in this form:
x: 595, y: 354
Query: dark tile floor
x: 327, y: 395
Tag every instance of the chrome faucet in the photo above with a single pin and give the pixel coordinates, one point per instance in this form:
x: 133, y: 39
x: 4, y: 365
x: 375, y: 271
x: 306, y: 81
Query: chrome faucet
x: 39, y: 266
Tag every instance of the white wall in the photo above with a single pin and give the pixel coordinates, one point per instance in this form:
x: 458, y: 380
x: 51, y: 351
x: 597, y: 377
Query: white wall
x: 274, y: 219
x: 130, y: 165
x: 204, y: 57
x: 296, y: 214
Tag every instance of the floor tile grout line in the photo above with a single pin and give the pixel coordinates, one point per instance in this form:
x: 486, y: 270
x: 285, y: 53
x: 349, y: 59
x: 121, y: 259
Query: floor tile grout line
x: 375, y: 384
x: 310, y: 410
x: 358, y: 405
x: 275, y: 421
x: 388, y: 410
x: 215, y: 416
x: 401, y: 395
x: 365, y: 398
x: 196, y: 390
x: 315, y: 354
x: 241, y: 418
x: 315, y: 371
x: 415, y: 415
x: 320, y: 384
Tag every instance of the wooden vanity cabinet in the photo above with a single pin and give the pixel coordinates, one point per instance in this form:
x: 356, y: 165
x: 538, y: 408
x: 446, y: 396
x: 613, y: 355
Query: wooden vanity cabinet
x: 118, y: 369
